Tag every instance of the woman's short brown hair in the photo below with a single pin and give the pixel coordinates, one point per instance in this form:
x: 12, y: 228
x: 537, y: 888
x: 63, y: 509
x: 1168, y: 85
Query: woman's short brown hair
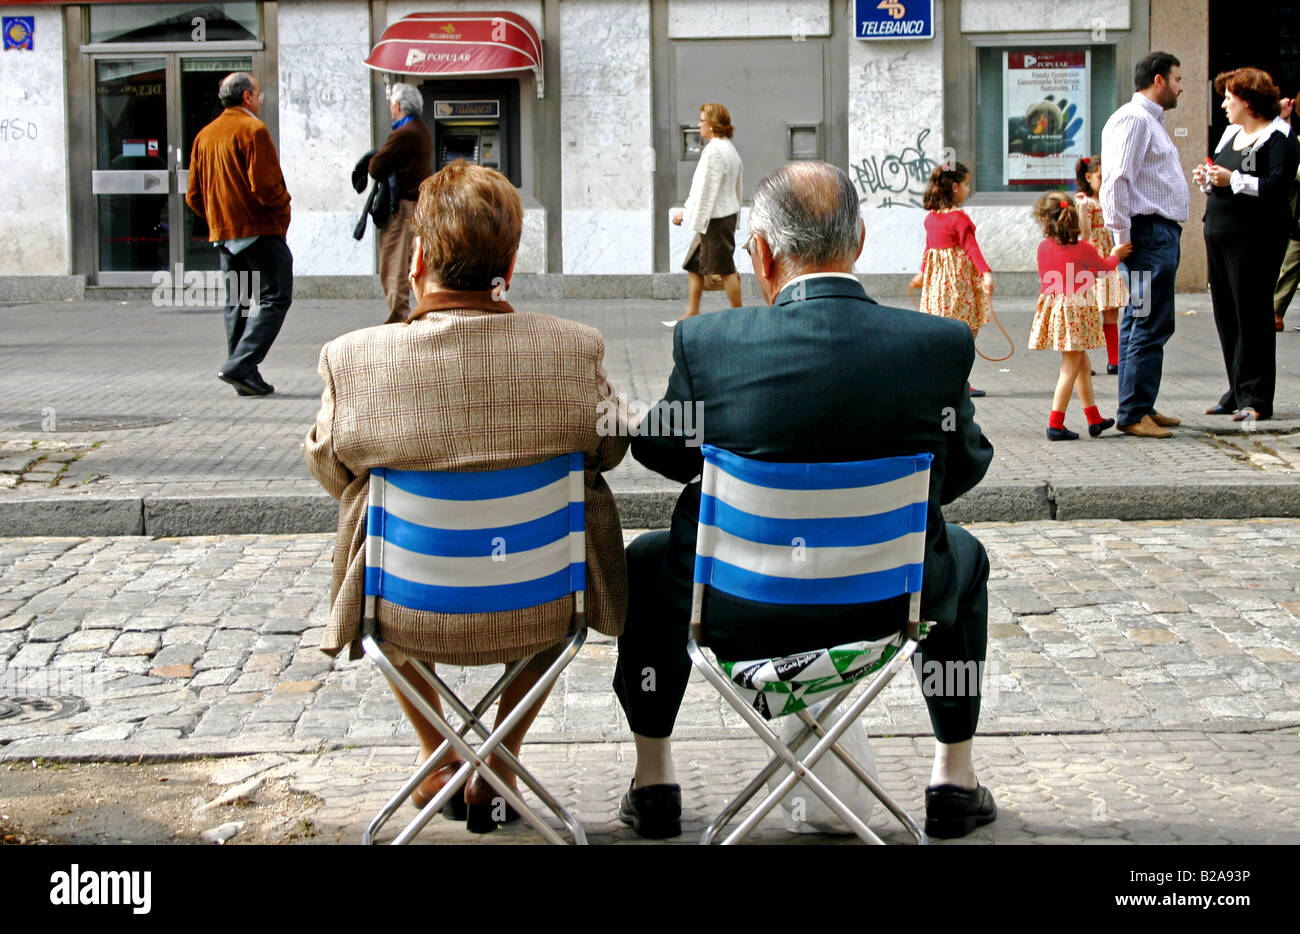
x: 719, y: 120
x: 468, y: 220
x: 1254, y: 87
x: 1059, y: 218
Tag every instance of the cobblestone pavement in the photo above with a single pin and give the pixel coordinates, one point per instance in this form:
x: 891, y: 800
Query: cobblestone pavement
x: 66, y: 361
x: 1161, y: 659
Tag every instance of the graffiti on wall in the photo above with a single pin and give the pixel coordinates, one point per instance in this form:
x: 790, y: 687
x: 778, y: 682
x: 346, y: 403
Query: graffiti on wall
x: 895, y: 179
x: 13, y: 129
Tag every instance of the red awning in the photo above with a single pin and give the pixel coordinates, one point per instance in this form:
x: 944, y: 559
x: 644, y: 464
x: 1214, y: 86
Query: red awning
x: 478, y: 43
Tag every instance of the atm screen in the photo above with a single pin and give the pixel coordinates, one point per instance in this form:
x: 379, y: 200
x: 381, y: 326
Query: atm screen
x: 459, y: 147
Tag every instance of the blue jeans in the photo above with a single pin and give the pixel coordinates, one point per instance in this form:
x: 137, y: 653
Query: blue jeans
x: 1148, y: 320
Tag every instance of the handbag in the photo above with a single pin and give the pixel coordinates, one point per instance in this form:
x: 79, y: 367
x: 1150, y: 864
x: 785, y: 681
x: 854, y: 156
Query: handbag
x: 802, y: 810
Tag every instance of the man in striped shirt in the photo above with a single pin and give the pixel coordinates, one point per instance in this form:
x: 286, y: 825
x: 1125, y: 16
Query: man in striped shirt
x: 1145, y: 200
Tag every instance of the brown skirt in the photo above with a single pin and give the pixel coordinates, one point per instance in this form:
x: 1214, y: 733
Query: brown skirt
x: 713, y: 252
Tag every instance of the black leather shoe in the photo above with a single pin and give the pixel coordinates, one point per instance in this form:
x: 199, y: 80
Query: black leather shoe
x: 655, y: 811
x: 1096, y: 428
x: 256, y: 380
x: 483, y: 818
x: 952, y: 811
x: 454, y: 809
x: 245, y: 385
x: 1062, y: 434
x: 1112, y: 369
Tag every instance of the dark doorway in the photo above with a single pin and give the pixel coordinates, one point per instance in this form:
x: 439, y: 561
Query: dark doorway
x: 1259, y: 35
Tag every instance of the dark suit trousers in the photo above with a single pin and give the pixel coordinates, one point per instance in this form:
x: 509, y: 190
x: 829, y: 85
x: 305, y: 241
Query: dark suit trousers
x: 650, y: 678
x: 1243, y: 273
x: 267, y: 266
x: 1148, y: 321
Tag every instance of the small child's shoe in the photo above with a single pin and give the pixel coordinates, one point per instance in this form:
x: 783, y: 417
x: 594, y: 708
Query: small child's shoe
x: 1062, y: 434
x: 1097, y: 428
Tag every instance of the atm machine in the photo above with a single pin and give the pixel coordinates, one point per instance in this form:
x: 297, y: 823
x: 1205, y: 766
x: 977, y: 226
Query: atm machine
x: 477, y: 124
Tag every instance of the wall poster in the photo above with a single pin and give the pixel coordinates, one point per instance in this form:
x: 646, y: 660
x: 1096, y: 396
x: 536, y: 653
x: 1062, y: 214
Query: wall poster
x: 1045, y: 102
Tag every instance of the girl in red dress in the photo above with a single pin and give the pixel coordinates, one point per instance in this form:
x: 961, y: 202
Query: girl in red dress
x: 1067, y: 317
x: 1110, y: 291
x: 955, y: 281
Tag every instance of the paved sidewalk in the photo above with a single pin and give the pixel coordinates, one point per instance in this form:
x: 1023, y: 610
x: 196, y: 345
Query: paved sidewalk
x: 224, y: 464
x: 1143, y: 683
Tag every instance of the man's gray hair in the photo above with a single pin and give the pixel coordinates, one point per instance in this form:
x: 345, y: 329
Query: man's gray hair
x: 233, y: 86
x: 408, y: 98
x: 808, y: 214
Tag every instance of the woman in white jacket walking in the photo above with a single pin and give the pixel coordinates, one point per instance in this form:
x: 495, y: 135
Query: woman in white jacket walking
x: 712, y: 209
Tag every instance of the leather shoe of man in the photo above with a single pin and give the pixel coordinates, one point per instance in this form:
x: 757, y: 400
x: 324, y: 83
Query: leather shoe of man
x: 1147, y: 428
x: 245, y: 385
x: 953, y: 811
x: 655, y: 811
x: 256, y: 379
x: 1165, y: 421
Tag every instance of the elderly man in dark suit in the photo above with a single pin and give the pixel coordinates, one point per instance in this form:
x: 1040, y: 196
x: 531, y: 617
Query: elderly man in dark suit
x: 822, y: 374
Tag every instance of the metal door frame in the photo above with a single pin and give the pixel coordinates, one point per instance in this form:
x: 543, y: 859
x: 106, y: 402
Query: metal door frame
x: 82, y: 123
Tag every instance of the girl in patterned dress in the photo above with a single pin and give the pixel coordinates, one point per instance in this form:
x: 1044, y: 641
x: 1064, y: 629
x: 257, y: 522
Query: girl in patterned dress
x: 1110, y: 290
x: 1067, y: 317
x: 955, y: 281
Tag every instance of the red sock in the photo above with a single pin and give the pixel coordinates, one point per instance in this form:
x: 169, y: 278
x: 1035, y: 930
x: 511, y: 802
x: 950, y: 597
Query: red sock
x: 1056, y: 419
x: 1112, y: 343
x: 1092, y: 415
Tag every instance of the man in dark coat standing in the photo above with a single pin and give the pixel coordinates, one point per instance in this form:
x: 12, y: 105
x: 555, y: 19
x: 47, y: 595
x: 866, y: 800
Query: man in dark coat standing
x: 823, y: 374
x: 408, y: 152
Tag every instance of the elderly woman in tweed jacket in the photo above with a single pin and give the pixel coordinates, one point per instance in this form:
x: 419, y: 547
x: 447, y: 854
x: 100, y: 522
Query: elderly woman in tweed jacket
x: 466, y: 384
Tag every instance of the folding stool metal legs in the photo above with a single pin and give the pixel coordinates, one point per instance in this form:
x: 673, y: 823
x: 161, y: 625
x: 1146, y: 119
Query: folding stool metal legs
x: 476, y: 758
x: 439, y: 754
x: 740, y: 800
x: 801, y: 768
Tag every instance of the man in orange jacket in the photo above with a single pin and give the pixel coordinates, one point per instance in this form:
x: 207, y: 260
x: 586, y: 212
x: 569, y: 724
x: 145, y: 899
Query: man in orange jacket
x: 237, y: 187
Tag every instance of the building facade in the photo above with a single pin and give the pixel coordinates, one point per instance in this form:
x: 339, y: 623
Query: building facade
x: 595, y: 123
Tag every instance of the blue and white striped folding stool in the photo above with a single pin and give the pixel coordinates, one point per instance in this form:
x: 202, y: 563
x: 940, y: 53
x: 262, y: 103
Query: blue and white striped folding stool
x: 839, y: 533
x: 479, y: 542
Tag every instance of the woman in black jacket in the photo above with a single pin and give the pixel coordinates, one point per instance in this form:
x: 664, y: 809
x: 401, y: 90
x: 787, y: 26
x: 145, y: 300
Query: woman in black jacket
x: 1246, y: 219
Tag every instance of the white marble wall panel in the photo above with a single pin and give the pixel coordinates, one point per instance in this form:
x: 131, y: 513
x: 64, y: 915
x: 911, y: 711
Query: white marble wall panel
x: 324, y: 116
x: 530, y: 10
x: 532, y: 242
x: 747, y: 19
x: 1008, y: 237
x: 322, y: 244
x: 1037, y: 15
x: 607, y: 242
x: 895, y: 241
x: 895, y: 116
x: 607, y: 165
x: 34, y: 237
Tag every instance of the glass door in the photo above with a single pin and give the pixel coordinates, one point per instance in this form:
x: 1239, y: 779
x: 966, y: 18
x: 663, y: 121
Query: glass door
x: 148, y: 109
x: 131, y: 180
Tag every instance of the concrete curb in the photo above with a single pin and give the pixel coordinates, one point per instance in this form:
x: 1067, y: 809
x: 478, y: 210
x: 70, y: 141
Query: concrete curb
x: 260, y: 514
x: 1181, y: 501
x: 270, y: 513
x: 72, y: 514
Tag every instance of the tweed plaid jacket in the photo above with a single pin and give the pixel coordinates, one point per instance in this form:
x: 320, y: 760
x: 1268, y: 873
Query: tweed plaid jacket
x: 467, y: 384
